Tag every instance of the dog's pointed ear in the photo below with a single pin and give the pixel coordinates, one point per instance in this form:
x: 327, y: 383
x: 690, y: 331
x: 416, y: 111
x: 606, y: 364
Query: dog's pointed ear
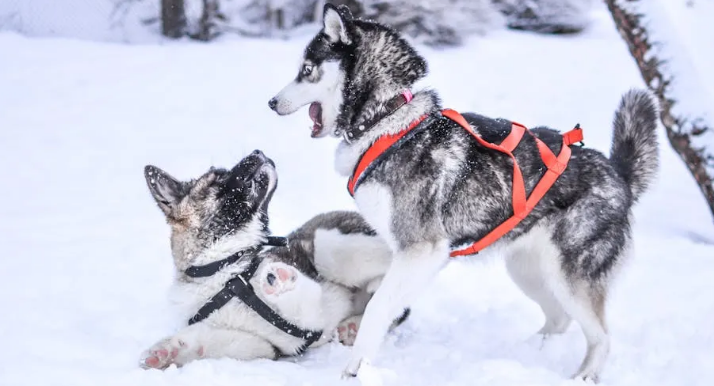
x: 335, y: 21
x: 166, y: 190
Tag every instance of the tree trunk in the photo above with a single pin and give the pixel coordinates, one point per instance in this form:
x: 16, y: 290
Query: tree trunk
x: 207, y: 24
x: 685, y: 133
x: 173, y: 18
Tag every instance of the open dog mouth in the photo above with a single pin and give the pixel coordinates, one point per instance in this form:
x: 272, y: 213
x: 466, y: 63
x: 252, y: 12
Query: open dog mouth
x: 254, y: 168
x: 316, y: 116
x: 262, y: 172
x: 262, y: 175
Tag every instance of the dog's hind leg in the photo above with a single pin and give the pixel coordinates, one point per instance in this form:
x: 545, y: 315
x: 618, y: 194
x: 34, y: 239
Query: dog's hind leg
x: 532, y: 263
x: 586, y: 305
x: 202, y: 341
x: 411, y: 270
x: 557, y: 320
x: 562, y: 302
x: 593, y: 238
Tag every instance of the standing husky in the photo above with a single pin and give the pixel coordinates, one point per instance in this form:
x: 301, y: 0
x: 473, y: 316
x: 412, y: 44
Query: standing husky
x: 438, y: 188
x: 219, y: 224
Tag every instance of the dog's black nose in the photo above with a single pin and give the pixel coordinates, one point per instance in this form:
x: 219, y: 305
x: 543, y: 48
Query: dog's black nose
x: 257, y: 152
x: 273, y: 103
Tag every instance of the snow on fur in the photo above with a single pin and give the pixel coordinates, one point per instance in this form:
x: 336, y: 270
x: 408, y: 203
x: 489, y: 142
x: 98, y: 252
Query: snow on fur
x: 86, y: 261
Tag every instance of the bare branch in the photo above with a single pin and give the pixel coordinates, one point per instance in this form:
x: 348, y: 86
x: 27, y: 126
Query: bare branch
x: 682, y: 131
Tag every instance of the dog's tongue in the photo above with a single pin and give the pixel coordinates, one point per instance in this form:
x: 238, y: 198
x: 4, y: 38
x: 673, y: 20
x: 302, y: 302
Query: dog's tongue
x: 316, y: 116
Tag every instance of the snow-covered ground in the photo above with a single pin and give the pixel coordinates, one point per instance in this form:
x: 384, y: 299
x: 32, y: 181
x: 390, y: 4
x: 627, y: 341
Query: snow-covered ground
x: 85, y: 253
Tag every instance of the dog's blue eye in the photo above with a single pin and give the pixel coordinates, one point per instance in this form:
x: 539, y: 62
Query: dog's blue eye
x: 271, y: 278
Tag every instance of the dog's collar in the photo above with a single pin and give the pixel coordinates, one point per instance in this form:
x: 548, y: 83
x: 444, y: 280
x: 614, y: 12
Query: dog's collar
x: 239, y: 286
x: 211, y: 268
x: 392, y: 105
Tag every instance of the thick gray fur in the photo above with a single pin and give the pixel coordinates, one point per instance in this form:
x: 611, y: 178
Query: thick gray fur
x: 223, y: 212
x: 300, y: 251
x: 442, y: 189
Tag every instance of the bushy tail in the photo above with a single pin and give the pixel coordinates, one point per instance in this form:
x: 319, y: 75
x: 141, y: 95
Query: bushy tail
x: 634, y: 152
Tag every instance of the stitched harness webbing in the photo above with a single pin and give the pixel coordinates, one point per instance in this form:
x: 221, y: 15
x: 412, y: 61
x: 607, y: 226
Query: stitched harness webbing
x: 522, y: 205
x: 239, y: 286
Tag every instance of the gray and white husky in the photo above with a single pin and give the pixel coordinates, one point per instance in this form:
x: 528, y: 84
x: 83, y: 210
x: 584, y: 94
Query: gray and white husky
x: 441, y: 188
x: 223, y: 213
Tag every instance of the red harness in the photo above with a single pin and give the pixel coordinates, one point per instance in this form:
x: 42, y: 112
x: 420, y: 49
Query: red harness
x: 522, y: 205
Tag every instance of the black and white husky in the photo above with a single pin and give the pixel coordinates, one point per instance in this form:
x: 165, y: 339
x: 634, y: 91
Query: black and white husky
x: 440, y: 188
x: 219, y: 226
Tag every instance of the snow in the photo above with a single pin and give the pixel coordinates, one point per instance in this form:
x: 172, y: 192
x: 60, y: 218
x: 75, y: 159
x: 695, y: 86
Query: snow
x: 682, y: 33
x: 86, y: 263
x: 693, y: 33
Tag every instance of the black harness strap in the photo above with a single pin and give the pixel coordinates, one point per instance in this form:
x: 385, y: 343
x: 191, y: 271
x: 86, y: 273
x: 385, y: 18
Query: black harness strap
x: 239, y: 286
x: 211, y: 268
x: 276, y: 241
x: 225, y: 294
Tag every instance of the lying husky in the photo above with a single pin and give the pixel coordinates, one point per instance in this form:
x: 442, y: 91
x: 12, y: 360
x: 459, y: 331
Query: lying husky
x: 243, y: 302
x: 442, y: 181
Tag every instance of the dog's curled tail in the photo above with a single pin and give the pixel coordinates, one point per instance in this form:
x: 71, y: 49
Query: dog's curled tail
x: 634, y: 153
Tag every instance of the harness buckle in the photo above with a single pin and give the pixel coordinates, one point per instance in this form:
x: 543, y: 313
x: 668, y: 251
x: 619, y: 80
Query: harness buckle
x: 347, y: 136
x: 574, y: 136
x: 240, y: 276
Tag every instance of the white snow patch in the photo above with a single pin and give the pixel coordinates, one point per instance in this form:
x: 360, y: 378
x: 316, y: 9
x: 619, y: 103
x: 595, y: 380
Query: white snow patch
x: 86, y: 262
x: 685, y: 37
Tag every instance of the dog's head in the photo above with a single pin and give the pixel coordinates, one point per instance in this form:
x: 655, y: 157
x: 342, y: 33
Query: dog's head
x: 349, y: 65
x: 226, y: 208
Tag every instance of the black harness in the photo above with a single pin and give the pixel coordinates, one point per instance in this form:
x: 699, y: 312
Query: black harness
x: 239, y: 286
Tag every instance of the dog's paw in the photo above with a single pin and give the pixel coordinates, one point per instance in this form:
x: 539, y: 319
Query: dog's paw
x: 536, y: 341
x: 353, y: 367
x: 169, y: 351
x: 347, y: 330
x: 588, y: 377
x: 278, y: 278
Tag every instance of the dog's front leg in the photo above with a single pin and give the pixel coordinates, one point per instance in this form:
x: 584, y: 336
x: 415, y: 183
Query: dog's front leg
x: 411, y: 270
x: 203, y: 341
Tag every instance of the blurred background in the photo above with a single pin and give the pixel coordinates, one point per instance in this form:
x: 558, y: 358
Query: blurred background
x: 447, y: 23
x: 91, y: 91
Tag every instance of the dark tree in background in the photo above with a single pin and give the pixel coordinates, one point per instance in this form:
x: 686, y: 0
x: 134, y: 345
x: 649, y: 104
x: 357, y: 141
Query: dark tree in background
x: 545, y: 16
x: 173, y: 18
x: 274, y: 18
x: 686, y: 134
x: 446, y: 20
x: 436, y: 23
x: 208, y: 24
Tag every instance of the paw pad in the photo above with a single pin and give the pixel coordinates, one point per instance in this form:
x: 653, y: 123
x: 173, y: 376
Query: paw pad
x: 278, y: 278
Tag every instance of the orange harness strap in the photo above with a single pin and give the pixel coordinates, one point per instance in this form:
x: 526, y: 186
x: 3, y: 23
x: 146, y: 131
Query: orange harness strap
x: 378, y: 148
x: 522, y: 206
